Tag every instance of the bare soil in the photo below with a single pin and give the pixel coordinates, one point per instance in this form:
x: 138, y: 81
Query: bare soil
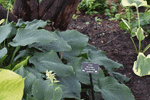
x: 118, y: 46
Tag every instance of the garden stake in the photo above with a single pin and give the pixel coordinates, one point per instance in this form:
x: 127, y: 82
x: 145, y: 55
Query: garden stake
x: 93, y: 98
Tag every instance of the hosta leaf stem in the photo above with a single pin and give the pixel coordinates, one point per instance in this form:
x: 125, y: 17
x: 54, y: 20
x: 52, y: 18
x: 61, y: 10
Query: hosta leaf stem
x: 134, y: 45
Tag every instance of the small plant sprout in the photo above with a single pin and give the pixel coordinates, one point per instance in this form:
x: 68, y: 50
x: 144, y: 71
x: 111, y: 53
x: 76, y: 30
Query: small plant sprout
x: 98, y: 20
x: 87, y: 23
x: 75, y: 16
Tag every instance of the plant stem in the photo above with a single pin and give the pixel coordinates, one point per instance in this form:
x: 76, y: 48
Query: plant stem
x: 134, y: 45
x: 61, y: 56
x: 128, y: 14
x: 147, y: 47
x: 53, y: 90
x: 138, y: 16
x: 139, y: 46
x: 17, y: 48
x: 8, y: 12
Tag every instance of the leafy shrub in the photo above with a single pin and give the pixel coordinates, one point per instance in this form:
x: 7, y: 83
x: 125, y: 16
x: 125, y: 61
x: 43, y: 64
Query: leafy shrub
x: 92, y: 6
x: 34, y: 53
x: 8, y: 4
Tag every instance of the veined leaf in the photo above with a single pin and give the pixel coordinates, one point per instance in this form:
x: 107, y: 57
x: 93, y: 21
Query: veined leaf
x: 35, y: 24
x: 28, y: 36
x: 125, y: 23
x: 5, y: 31
x: 142, y: 65
x: 50, y: 61
x: 84, y: 77
x: 29, y: 80
x: 99, y: 57
x: 137, y: 3
x: 3, y: 52
x: 11, y: 85
x: 111, y: 89
x: 76, y: 40
x: 43, y: 90
x: 71, y: 88
x: 58, y: 45
x: 140, y: 34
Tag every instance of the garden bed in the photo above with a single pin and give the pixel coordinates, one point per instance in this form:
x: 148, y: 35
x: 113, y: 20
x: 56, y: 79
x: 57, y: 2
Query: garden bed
x: 118, y: 46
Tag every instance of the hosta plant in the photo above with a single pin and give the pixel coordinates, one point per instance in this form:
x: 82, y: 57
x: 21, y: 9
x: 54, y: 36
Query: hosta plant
x: 141, y: 66
x: 51, y: 63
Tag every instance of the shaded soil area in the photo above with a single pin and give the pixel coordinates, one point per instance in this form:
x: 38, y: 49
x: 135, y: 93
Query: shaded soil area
x: 118, y: 46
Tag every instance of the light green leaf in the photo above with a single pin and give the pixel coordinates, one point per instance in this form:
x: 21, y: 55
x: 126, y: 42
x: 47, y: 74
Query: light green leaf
x: 22, y: 63
x: 3, y: 52
x: 110, y: 89
x: 137, y: 3
x: 11, y: 85
x: 2, y: 20
x: 125, y: 23
x: 43, y: 90
x: 140, y: 34
x: 50, y: 61
x: 28, y: 36
x: 146, y: 16
x: 5, y: 31
x: 142, y: 65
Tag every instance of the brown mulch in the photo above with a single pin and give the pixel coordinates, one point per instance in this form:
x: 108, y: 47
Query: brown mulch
x: 118, y: 46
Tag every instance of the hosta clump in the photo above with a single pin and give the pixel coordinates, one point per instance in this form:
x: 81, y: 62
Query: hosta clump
x: 32, y: 52
x: 141, y: 66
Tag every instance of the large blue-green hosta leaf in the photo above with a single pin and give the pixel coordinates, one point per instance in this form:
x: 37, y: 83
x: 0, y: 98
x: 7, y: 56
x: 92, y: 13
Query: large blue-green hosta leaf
x: 50, y: 61
x: 76, y: 40
x: 71, y: 87
x: 35, y: 24
x: 29, y: 80
x: 43, y: 90
x: 3, y: 52
x: 58, y: 45
x: 110, y: 89
x: 84, y: 77
x: 5, y: 31
x: 97, y: 56
x: 142, y: 65
x: 11, y: 85
x: 28, y: 36
x: 3, y: 55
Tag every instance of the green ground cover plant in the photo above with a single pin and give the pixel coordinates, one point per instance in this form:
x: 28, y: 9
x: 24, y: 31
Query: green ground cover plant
x: 51, y: 63
x: 92, y: 6
x: 141, y: 66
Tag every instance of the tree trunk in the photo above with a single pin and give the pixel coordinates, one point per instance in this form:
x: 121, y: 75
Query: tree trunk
x: 57, y: 11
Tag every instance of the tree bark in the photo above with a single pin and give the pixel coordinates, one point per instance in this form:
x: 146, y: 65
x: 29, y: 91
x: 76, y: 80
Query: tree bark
x: 3, y: 14
x: 57, y: 11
